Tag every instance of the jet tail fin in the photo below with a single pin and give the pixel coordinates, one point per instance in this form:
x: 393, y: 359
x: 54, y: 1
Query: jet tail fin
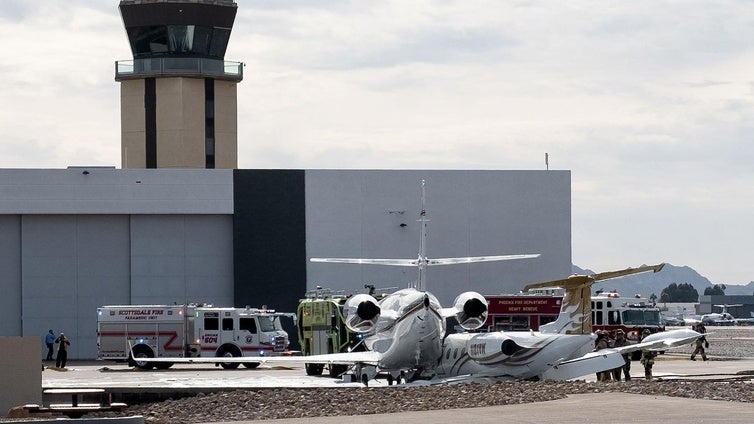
x: 576, y: 308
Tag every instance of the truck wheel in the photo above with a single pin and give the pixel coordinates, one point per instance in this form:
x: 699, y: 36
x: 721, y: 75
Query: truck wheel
x: 314, y: 369
x: 163, y: 365
x: 251, y: 365
x: 229, y: 353
x: 140, y: 354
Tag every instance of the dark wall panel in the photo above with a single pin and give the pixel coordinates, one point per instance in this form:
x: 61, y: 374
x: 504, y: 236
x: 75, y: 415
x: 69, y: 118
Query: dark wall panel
x: 269, y: 239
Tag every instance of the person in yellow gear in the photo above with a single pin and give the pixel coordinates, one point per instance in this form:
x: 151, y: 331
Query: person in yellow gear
x: 647, y: 357
x: 700, y: 343
x: 620, y: 341
x: 602, y: 342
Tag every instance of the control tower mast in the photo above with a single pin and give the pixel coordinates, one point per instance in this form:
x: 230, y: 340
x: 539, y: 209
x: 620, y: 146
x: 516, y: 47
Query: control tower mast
x: 178, y: 94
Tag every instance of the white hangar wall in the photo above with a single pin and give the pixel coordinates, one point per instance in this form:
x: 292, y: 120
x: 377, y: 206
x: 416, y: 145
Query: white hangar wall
x: 356, y: 213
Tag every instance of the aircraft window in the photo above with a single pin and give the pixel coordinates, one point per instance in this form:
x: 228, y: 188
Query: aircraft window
x: 211, y: 323
x: 455, y: 353
x: 227, y: 324
x: 447, y: 354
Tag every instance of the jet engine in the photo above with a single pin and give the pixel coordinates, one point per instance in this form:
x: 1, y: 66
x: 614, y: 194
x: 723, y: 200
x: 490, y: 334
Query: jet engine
x: 491, y: 347
x: 471, y: 310
x: 361, y: 313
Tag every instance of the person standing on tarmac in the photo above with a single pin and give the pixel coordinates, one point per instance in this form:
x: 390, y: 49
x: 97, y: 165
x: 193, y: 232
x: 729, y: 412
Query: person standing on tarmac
x: 620, y: 341
x: 602, y: 342
x: 49, y: 341
x: 700, y: 343
x: 62, y: 357
x: 647, y: 357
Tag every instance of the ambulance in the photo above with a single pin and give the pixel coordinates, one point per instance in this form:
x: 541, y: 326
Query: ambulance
x: 135, y: 333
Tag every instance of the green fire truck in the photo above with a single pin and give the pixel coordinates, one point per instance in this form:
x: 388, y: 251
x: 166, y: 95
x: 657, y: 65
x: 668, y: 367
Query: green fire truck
x: 322, y: 328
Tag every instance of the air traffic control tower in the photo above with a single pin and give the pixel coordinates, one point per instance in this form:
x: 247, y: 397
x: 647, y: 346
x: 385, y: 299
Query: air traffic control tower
x: 178, y: 95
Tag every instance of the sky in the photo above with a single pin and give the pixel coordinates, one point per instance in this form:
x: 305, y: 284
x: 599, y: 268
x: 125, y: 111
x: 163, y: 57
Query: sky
x: 649, y: 104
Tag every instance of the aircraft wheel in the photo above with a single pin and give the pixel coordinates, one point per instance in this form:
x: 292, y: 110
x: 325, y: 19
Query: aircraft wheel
x: 314, y: 369
x: 390, y: 379
x: 365, y: 380
x: 337, y: 370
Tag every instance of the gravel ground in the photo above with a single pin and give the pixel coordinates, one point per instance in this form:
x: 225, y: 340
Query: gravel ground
x: 291, y: 403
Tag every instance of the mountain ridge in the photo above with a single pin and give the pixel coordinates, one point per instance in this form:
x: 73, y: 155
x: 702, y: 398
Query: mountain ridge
x: 647, y: 284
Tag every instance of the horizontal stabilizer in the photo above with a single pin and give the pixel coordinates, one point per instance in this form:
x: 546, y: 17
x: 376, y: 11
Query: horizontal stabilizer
x: 576, y: 281
x: 428, y: 262
x: 392, y: 262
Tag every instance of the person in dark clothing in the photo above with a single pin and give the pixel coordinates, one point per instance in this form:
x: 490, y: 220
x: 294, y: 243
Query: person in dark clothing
x: 49, y: 342
x: 620, y: 341
x: 700, y: 343
x: 63, y: 343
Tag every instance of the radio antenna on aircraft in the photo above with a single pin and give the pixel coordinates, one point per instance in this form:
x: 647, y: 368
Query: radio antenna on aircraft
x: 422, y: 262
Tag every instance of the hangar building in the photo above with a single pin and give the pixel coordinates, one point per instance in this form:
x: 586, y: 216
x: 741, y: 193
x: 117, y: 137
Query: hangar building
x: 78, y: 238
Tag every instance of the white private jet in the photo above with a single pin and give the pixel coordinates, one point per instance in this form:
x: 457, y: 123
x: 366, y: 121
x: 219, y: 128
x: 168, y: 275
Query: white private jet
x: 724, y: 318
x: 405, y: 333
x: 561, y: 350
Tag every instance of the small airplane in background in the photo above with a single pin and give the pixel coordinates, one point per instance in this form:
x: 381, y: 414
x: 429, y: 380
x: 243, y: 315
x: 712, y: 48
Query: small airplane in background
x: 724, y: 317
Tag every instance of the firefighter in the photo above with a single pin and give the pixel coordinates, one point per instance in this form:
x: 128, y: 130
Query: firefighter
x: 602, y: 342
x: 700, y: 343
x: 647, y: 357
x: 620, y: 341
x: 63, y: 343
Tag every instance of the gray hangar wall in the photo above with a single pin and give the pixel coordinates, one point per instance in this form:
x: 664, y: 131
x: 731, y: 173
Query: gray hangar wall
x: 72, y: 242
x: 373, y: 214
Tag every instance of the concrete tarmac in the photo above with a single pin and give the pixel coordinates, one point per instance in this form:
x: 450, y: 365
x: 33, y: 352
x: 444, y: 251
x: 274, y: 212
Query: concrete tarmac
x: 575, y: 409
x: 585, y: 408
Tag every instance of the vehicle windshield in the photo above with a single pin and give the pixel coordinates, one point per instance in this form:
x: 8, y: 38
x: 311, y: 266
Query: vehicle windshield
x: 269, y: 323
x: 641, y: 317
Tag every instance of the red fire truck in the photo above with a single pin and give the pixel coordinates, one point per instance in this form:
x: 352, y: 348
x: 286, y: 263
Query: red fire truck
x: 518, y: 312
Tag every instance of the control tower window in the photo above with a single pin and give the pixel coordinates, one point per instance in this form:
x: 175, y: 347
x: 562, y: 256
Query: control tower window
x: 219, y: 42
x: 148, y: 40
x: 181, y: 38
x: 186, y: 40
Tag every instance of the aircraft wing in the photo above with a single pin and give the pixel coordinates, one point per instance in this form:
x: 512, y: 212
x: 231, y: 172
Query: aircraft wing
x: 348, y: 358
x: 592, y: 362
x: 663, y: 340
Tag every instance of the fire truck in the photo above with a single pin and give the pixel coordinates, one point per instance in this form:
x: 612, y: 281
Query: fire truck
x: 611, y: 312
x: 322, y: 328
x: 520, y: 312
x: 135, y: 333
